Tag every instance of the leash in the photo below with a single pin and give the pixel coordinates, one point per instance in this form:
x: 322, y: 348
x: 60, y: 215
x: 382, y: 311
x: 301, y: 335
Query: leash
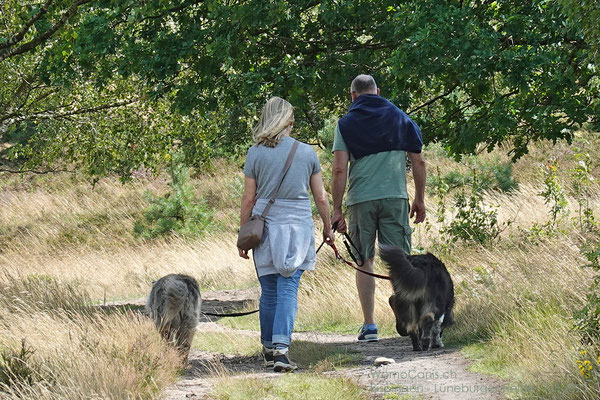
x: 339, y: 256
x: 239, y: 314
x: 348, y: 243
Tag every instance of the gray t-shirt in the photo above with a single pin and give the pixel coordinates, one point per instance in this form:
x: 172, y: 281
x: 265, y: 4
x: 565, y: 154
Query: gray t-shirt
x: 265, y: 165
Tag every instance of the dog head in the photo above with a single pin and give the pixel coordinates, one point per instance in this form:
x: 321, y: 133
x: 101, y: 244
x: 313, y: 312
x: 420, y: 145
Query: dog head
x: 424, y: 328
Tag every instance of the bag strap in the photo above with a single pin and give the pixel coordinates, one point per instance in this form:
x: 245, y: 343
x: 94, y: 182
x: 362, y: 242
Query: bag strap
x: 285, y: 170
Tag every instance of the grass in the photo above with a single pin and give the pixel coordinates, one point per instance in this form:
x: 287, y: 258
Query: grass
x: 292, y: 386
x: 128, y: 272
x: 65, y: 245
x: 232, y: 343
x: 398, y: 396
x: 317, y: 357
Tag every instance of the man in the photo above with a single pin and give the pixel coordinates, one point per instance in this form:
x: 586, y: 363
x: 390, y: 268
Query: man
x: 375, y: 136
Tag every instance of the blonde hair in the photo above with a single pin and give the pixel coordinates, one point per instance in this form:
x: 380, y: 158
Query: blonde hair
x: 274, y: 120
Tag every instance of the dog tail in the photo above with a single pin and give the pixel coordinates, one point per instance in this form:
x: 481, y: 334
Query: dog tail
x: 402, y: 273
x: 166, y: 302
x: 176, y: 293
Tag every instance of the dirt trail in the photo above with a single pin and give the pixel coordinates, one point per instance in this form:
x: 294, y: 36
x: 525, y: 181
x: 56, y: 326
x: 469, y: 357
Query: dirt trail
x: 437, y: 374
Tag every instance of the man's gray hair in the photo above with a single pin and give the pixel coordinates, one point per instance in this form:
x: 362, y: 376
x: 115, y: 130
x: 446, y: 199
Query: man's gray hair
x: 363, y: 84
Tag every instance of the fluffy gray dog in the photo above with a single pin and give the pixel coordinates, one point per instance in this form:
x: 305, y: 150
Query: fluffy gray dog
x: 174, y: 306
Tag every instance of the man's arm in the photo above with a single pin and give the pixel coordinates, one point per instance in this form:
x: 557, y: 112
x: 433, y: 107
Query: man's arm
x: 338, y: 187
x: 420, y: 176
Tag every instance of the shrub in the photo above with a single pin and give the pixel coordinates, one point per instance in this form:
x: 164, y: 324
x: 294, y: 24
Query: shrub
x: 472, y: 222
x: 17, y: 368
x: 179, y: 211
x: 581, y: 182
x: 492, y: 175
x: 553, y: 193
x: 587, y: 320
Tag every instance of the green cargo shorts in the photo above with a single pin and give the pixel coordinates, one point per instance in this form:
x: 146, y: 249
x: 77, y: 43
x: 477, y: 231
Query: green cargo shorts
x: 386, y: 219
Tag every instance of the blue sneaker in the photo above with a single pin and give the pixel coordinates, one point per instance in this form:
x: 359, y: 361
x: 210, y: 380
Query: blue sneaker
x: 368, y: 333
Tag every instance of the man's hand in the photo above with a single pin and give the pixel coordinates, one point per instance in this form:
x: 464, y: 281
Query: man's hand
x: 243, y: 253
x: 418, y: 211
x: 338, y: 217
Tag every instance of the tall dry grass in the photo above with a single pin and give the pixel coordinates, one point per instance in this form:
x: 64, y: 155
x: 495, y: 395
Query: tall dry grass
x: 76, y: 351
x: 514, y: 309
x: 68, y: 229
x: 128, y: 271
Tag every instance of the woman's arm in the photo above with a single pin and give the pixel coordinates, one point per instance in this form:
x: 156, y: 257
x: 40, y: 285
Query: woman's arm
x: 247, y: 199
x: 247, y: 205
x: 320, y: 196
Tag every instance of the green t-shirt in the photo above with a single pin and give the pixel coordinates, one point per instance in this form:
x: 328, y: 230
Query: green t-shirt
x: 376, y: 176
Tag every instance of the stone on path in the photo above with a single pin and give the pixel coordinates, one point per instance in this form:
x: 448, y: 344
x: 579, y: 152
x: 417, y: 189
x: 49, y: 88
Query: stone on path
x: 379, y: 361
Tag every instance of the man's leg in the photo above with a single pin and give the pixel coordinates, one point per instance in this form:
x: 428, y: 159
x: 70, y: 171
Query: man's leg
x: 366, y: 291
x: 362, y: 225
x: 393, y: 225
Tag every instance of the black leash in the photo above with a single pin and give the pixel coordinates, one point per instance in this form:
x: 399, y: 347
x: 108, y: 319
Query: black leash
x: 339, y: 257
x: 349, y: 245
x: 347, y: 242
x: 239, y: 314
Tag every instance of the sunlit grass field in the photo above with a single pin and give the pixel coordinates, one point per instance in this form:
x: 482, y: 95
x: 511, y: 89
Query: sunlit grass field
x: 66, y: 245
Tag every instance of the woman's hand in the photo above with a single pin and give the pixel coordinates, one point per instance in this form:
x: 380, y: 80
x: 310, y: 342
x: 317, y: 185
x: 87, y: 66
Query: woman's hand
x: 243, y: 253
x: 328, y: 236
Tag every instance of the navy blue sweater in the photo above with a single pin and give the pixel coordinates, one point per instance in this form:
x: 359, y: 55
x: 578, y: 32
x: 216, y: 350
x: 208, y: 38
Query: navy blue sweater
x: 373, y: 125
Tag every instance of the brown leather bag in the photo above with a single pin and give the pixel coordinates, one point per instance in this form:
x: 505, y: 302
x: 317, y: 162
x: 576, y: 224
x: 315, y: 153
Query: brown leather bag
x: 251, y: 232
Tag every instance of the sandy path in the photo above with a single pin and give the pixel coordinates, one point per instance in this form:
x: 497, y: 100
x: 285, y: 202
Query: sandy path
x: 437, y: 374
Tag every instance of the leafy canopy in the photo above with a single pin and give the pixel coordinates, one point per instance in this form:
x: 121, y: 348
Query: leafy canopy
x: 471, y: 73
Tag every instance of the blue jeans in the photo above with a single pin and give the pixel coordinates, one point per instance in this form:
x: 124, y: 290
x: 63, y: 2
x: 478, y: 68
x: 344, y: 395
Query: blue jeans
x: 278, y: 306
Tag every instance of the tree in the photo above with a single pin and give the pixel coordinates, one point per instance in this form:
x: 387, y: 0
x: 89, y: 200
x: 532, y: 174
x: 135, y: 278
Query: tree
x: 471, y: 73
x: 586, y: 14
x: 33, y: 111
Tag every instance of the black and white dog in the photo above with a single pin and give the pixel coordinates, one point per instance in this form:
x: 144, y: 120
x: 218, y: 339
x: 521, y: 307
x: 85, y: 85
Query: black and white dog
x: 423, y: 296
x: 174, y: 306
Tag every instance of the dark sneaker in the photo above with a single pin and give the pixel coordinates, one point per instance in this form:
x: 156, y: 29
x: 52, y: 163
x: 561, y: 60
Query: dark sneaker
x: 367, y: 335
x: 268, y: 356
x: 282, y: 363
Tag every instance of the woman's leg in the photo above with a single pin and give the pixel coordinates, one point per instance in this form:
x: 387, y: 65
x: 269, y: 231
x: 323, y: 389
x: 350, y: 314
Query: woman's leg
x: 268, y: 302
x: 285, y: 311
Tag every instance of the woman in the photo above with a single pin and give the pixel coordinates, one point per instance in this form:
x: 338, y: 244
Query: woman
x: 288, y: 245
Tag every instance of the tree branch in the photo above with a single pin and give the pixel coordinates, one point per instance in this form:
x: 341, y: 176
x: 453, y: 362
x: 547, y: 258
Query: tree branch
x: 19, y: 36
x: 33, y: 43
x: 52, y: 114
x: 427, y: 103
x: 32, y: 171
